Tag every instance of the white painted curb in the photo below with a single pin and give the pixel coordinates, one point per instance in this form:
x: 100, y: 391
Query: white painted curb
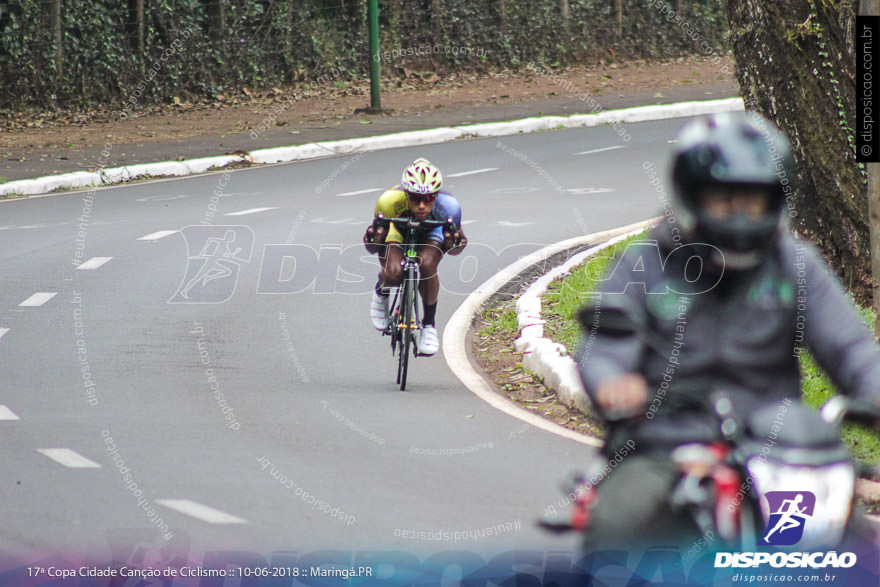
x: 82, y: 179
x: 547, y: 359
x: 455, y: 332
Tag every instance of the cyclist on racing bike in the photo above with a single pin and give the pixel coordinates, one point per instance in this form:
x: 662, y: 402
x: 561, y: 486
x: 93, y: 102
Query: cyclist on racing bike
x: 419, y: 195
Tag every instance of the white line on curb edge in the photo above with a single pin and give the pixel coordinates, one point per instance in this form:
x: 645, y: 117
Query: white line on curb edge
x: 455, y: 334
x: 86, y: 180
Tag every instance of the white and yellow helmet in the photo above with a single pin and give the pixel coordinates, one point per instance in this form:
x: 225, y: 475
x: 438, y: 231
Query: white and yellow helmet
x: 421, y: 178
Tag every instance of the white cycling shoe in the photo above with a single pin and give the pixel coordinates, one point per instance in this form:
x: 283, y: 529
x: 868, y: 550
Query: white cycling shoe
x: 429, y: 342
x: 379, y: 311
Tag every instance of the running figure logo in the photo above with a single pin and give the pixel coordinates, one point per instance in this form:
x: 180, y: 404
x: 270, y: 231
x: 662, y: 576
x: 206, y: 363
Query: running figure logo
x: 212, y: 272
x: 789, y: 511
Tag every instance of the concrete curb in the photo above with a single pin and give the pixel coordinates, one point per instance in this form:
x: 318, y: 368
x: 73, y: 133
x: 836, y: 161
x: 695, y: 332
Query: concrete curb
x: 550, y: 360
x: 84, y: 179
x: 455, y: 332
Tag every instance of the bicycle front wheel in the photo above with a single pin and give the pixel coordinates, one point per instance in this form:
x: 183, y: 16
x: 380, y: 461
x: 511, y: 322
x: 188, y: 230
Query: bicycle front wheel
x: 409, y: 317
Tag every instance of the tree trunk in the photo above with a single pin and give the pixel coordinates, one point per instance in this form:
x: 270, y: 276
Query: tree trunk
x: 795, y: 63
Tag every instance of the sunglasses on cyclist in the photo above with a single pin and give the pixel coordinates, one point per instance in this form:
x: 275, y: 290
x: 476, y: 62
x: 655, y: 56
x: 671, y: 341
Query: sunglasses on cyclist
x: 426, y: 198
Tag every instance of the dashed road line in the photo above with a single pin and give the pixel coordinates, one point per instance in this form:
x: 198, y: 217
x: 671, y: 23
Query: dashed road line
x: 474, y: 172
x: 591, y: 151
x: 162, y: 198
x: 3, y: 331
x: 69, y: 458
x: 200, y: 511
x: 359, y: 192
x: 7, y: 414
x: 38, y: 299
x: 93, y: 263
x: 249, y: 211
x: 154, y: 236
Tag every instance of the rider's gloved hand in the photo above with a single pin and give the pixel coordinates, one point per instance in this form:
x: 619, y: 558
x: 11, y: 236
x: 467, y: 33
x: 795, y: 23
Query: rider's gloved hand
x: 375, y: 234
x: 623, y: 396
x: 454, y: 238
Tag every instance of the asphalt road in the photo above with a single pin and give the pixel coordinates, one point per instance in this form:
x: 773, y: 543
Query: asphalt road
x: 260, y: 413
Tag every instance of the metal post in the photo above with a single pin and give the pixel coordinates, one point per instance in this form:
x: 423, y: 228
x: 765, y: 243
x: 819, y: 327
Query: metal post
x: 373, y: 22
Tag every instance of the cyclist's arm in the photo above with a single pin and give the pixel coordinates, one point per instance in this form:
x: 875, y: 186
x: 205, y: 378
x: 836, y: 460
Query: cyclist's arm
x: 374, y: 238
x: 391, y: 204
x: 454, y: 240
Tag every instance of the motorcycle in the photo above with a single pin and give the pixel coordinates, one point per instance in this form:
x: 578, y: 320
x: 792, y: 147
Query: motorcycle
x: 733, y: 476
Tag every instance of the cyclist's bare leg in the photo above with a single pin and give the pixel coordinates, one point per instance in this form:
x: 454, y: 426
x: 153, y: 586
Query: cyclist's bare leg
x: 392, y: 269
x: 430, y: 255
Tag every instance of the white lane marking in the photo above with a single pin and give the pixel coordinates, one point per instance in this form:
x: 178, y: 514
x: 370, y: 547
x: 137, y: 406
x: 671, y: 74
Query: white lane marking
x: 200, y: 511
x: 6, y: 414
x: 69, y: 458
x: 359, y: 192
x: 474, y: 172
x: 154, y: 236
x: 513, y: 224
x: 93, y: 263
x: 162, y: 198
x: 522, y: 190
x: 585, y: 191
x: 342, y: 221
x: 39, y: 298
x: 590, y: 152
x: 466, y: 222
x: 250, y: 211
x: 30, y: 226
x: 3, y: 331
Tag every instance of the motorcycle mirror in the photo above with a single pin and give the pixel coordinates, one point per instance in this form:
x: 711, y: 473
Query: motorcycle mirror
x: 840, y: 408
x: 834, y: 409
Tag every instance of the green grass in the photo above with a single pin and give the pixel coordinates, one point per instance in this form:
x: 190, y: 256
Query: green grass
x: 566, y: 296
x: 500, y: 320
x: 817, y: 388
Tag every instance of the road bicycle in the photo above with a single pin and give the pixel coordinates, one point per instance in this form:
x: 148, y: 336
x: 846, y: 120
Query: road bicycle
x: 405, y: 308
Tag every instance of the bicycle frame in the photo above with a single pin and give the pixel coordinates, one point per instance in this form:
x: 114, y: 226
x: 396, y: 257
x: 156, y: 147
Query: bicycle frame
x: 404, y: 309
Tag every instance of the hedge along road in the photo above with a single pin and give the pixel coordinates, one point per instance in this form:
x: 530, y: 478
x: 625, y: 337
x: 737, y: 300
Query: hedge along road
x: 181, y: 392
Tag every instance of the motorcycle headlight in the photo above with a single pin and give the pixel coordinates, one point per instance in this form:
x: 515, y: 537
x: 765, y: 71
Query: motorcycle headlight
x: 833, y: 485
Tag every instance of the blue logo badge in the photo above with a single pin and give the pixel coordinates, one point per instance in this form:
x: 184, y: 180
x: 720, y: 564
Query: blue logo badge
x: 789, y: 511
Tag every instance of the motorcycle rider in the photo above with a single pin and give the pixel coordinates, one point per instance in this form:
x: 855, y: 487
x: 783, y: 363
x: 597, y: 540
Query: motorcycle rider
x: 721, y: 301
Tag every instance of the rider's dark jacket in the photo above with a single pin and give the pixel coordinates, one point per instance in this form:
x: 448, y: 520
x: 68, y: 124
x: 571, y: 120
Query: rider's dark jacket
x: 703, y: 329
